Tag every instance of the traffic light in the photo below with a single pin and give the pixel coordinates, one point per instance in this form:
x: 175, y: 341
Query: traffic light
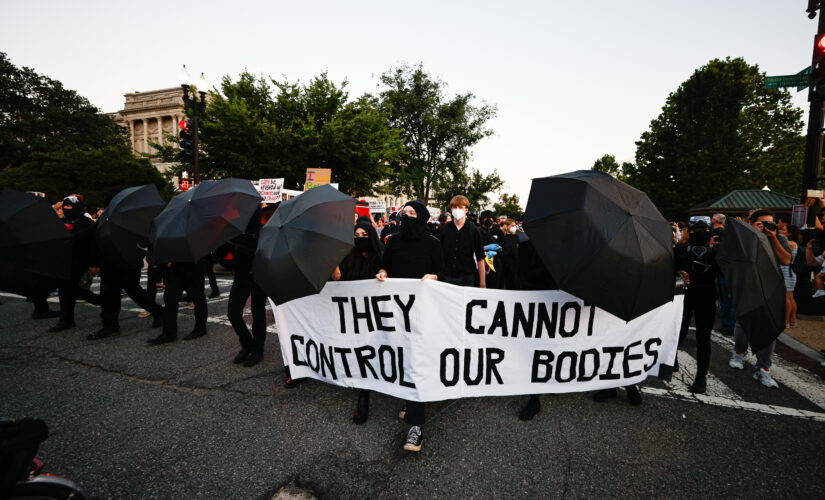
x: 187, y: 143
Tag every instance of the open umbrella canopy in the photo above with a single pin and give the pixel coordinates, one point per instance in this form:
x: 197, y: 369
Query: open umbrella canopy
x: 201, y: 219
x: 757, y: 288
x: 35, y: 246
x: 303, y: 242
x: 602, y: 241
x: 123, y: 228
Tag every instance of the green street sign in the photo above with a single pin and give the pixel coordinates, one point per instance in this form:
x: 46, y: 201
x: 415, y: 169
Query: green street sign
x: 775, y: 82
x: 806, y: 71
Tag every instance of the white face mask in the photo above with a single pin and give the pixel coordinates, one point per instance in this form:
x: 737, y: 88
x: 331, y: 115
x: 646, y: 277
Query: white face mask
x: 458, y: 213
x: 512, y: 229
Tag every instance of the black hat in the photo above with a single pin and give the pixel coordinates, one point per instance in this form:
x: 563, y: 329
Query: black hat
x: 487, y: 213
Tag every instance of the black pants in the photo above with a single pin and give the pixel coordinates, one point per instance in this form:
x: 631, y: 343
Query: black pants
x: 41, y: 305
x: 702, y: 305
x: 415, y: 413
x: 112, y: 281
x: 210, y: 273
x: 69, y: 292
x: 153, y: 276
x: 242, y: 287
x: 180, y: 277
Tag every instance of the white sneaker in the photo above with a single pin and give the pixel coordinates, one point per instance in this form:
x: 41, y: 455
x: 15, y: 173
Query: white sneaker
x: 764, y: 376
x: 818, y: 293
x: 736, y: 361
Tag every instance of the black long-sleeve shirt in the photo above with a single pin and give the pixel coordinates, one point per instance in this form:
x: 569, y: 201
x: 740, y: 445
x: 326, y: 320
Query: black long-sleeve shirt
x: 458, y: 246
x: 412, y: 258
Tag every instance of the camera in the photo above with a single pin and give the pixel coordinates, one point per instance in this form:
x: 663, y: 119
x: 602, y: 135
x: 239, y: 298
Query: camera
x: 771, y: 226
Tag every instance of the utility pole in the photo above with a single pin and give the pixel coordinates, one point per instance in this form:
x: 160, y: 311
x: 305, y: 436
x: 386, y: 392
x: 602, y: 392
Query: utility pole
x: 195, y: 109
x: 816, y: 114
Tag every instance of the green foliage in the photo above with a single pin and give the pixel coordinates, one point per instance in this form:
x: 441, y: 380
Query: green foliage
x: 508, y: 205
x: 258, y: 128
x: 720, y: 130
x: 476, y: 186
x: 608, y: 165
x: 38, y: 115
x: 89, y: 173
x: 438, y: 132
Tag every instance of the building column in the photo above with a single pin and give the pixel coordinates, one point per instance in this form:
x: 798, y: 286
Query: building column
x: 132, y: 134
x: 145, y: 135
x: 160, y: 129
x: 175, y: 125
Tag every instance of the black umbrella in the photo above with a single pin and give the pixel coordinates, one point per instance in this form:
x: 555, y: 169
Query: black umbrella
x: 302, y: 243
x: 757, y: 288
x: 203, y: 218
x: 602, y: 241
x: 123, y: 228
x: 35, y: 246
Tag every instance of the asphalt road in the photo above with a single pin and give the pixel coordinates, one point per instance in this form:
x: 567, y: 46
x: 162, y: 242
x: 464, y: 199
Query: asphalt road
x: 181, y: 421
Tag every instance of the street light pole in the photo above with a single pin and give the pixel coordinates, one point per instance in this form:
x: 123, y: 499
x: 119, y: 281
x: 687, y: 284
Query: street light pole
x: 196, y: 109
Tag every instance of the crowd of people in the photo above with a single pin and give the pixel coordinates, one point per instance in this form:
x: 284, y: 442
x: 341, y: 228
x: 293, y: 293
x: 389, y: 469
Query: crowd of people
x: 457, y: 248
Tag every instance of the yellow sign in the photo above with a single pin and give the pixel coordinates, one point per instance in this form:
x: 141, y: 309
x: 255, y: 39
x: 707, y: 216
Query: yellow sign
x: 317, y: 177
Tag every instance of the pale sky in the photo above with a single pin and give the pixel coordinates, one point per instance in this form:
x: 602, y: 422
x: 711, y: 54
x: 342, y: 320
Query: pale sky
x: 572, y: 80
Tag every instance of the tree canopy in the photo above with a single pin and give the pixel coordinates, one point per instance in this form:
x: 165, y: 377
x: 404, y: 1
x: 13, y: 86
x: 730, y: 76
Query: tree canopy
x: 508, y: 204
x: 438, y: 132
x: 476, y: 186
x: 720, y: 130
x: 608, y: 165
x: 39, y: 115
x: 259, y: 127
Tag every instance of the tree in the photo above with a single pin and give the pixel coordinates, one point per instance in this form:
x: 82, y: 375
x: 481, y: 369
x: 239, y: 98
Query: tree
x: 476, y: 186
x: 508, y: 205
x: 260, y: 128
x: 38, y: 115
x: 720, y: 130
x: 608, y: 165
x: 90, y: 173
x: 438, y: 131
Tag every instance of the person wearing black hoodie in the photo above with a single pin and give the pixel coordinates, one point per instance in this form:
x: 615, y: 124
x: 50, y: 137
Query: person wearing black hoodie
x: 83, y: 234
x: 243, y: 286
x: 412, y: 253
x: 362, y: 262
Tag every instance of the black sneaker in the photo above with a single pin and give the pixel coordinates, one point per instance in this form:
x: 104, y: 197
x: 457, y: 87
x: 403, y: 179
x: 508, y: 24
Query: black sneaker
x: 633, y: 395
x: 45, y: 314
x: 603, y: 395
x: 102, y: 334
x: 161, y: 339
x: 61, y: 325
x: 414, y: 438
x: 215, y: 294
x: 699, y: 386
x: 531, y: 409
x: 197, y: 332
x: 253, y: 359
x: 241, y: 356
x: 362, y: 409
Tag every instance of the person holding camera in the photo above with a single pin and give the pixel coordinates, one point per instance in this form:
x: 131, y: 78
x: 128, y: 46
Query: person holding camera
x: 762, y: 220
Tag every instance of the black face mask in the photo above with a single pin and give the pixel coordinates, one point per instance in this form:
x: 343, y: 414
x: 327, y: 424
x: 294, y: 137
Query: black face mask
x: 488, y: 223
x: 699, y: 238
x: 405, y: 219
x: 363, y: 243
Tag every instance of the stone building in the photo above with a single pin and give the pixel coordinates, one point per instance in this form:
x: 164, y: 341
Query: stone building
x: 149, y: 115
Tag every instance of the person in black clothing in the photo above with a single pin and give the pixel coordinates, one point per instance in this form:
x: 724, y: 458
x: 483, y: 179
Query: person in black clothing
x: 413, y: 253
x: 180, y: 276
x: 209, y: 260
x: 83, y: 233
x: 532, y: 275
x: 461, y: 247
x: 492, y: 238
x: 243, y: 286
x: 510, y: 255
x: 117, y: 275
x: 363, y: 262
x: 697, y: 264
x: 390, y: 227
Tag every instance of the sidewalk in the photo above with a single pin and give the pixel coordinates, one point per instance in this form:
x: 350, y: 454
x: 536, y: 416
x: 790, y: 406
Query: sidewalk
x: 809, y: 330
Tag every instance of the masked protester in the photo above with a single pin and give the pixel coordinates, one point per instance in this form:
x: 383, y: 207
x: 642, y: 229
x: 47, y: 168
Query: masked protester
x: 363, y: 262
x: 117, y: 275
x: 492, y: 238
x: 696, y: 263
x: 244, y: 287
x: 413, y: 253
x: 390, y: 227
x: 461, y: 247
x: 83, y: 233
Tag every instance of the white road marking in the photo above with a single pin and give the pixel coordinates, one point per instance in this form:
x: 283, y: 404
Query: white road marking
x: 683, y: 379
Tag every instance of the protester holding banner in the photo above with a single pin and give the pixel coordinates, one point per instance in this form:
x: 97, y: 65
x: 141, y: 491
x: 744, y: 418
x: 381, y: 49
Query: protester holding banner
x: 413, y: 253
x: 363, y: 262
x: 243, y: 286
x: 462, y: 247
x: 697, y: 265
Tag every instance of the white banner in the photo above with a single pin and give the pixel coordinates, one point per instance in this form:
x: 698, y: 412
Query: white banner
x: 430, y: 341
